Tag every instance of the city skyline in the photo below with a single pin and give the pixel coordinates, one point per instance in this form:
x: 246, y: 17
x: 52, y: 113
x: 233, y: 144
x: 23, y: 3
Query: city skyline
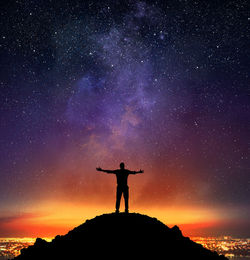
x: 228, y: 246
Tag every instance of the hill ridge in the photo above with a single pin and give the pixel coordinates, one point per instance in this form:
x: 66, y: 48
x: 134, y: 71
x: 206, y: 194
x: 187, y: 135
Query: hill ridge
x: 111, y: 235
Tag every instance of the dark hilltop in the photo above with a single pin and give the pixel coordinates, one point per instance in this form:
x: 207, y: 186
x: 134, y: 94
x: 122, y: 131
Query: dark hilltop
x: 114, y: 236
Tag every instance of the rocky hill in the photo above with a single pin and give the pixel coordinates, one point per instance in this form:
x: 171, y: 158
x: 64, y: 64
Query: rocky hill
x: 114, y: 236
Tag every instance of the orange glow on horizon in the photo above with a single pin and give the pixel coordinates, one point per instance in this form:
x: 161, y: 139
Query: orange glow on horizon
x: 57, y: 218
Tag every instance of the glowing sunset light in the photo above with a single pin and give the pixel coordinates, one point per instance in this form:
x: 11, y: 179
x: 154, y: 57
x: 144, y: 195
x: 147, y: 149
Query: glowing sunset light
x: 57, y: 217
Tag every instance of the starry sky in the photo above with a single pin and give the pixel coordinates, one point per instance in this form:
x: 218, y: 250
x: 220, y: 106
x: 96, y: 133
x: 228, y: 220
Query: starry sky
x: 160, y: 85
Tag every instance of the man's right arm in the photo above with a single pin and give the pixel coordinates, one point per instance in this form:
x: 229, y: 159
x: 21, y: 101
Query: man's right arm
x: 107, y: 171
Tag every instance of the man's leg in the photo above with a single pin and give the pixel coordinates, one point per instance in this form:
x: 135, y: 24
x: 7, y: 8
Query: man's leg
x: 126, y: 196
x: 118, y: 198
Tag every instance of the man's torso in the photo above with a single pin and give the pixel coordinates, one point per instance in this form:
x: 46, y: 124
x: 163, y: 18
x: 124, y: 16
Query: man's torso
x: 122, y: 177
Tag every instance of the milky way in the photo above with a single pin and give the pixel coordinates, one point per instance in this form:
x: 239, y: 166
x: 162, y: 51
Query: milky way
x: 160, y: 86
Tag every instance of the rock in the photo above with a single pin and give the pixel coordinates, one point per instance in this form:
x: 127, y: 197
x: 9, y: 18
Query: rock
x: 120, y: 235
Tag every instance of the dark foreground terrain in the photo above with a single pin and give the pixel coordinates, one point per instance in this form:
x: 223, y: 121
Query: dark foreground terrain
x: 114, y: 236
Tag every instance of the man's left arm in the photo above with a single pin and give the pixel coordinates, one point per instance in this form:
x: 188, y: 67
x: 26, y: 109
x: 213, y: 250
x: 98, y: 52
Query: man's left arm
x: 135, y: 172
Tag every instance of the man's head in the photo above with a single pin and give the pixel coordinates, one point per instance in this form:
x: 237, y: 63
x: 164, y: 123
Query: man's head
x: 122, y: 165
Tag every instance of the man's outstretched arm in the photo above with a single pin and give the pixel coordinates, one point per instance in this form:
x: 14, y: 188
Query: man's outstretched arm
x: 135, y: 172
x: 107, y: 171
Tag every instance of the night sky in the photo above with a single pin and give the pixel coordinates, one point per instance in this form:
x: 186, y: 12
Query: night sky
x: 160, y: 85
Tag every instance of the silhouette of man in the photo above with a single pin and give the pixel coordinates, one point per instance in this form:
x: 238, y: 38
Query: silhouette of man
x: 122, y: 184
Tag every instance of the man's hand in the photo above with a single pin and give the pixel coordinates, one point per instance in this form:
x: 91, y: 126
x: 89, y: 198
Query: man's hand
x: 99, y: 169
